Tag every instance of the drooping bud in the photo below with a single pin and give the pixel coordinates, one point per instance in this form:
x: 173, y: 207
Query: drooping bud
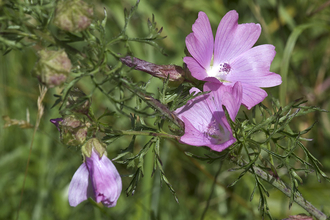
x: 73, y: 130
x: 175, y: 73
x: 96, y: 177
x: 73, y: 15
x: 78, y: 101
x: 52, y: 68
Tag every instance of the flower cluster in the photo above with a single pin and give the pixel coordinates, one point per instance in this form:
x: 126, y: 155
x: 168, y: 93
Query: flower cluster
x: 234, y: 72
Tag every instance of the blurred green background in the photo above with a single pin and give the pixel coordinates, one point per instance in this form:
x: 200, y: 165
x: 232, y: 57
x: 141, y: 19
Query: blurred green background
x: 52, y: 165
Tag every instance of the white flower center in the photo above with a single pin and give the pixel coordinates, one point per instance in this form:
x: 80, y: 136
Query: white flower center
x: 220, y: 71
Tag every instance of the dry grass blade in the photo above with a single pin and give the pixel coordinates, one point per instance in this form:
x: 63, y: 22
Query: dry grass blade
x: 43, y: 91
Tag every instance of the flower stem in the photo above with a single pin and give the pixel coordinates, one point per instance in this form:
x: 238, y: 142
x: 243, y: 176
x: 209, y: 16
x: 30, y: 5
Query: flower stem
x: 145, y: 133
x: 298, y: 198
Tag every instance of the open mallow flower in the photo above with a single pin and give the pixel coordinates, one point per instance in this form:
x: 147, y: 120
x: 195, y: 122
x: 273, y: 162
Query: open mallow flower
x: 205, y: 120
x: 97, y: 177
x: 231, y: 58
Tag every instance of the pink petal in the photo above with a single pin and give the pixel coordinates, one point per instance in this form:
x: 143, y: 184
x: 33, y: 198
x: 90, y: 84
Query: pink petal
x: 200, y: 42
x: 227, y: 95
x: 252, y: 67
x: 197, y: 112
x: 232, y: 39
x: 106, y: 180
x: 215, y: 96
x: 197, y: 138
x: 197, y: 71
x: 192, y: 136
x: 233, y: 100
x: 252, y: 95
x: 78, y: 189
x: 221, y: 147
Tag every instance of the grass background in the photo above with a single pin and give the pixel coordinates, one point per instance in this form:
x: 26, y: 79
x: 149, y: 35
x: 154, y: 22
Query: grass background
x: 300, y: 32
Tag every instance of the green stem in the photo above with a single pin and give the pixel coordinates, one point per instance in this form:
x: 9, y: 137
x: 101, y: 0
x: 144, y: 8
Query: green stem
x: 212, y: 190
x: 145, y: 133
x: 298, y: 198
x: 147, y: 185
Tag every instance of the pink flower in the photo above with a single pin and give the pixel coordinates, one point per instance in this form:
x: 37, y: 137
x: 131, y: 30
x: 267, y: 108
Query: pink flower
x: 231, y: 58
x: 97, y: 178
x: 204, y: 119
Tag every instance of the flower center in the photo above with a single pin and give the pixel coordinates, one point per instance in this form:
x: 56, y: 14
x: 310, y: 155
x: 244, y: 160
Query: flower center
x: 217, y: 133
x: 220, y: 72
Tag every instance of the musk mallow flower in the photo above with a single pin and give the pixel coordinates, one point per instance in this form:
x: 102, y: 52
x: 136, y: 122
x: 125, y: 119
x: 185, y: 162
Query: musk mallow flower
x: 97, y: 177
x: 204, y: 118
x: 230, y: 57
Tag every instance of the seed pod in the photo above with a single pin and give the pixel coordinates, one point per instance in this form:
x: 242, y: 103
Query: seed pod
x: 52, y: 68
x: 73, y: 16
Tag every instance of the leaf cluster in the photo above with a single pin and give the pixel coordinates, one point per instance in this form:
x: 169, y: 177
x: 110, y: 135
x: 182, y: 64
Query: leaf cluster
x: 268, y: 143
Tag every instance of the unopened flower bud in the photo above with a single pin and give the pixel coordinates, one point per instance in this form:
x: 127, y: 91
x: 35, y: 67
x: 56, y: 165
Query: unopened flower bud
x: 73, y: 15
x: 175, y: 73
x: 56, y: 122
x: 52, y: 68
x: 78, y: 101
x: 73, y: 130
x: 97, y: 177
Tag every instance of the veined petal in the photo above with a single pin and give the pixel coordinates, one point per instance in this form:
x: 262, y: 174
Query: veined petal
x: 198, y: 138
x: 221, y: 147
x: 197, y: 112
x: 252, y: 67
x: 197, y: 71
x: 200, y: 42
x: 227, y: 95
x: 233, y: 99
x: 233, y: 39
x: 192, y: 136
x: 215, y: 96
x: 78, y: 189
x: 106, y: 180
x: 252, y: 95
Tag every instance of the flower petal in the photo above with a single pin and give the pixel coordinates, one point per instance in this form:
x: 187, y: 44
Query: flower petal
x: 232, y: 39
x: 252, y: 95
x: 200, y: 42
x: 197, y: 112
x: 227, y: 95
x: 192, y: 136
x: 233, y: 100
x: 221, y: 147
x: 78, y: 189
x: 196, y: 70
x: 106, y: 180
x: 252, y: 67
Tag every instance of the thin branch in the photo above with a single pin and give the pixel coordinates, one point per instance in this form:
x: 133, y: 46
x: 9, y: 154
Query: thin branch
x: 212, y: 190
x: 298, y: 198
x: 145, y: 133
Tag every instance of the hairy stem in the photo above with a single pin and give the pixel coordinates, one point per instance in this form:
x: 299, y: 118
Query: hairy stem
x: 298, y: 198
